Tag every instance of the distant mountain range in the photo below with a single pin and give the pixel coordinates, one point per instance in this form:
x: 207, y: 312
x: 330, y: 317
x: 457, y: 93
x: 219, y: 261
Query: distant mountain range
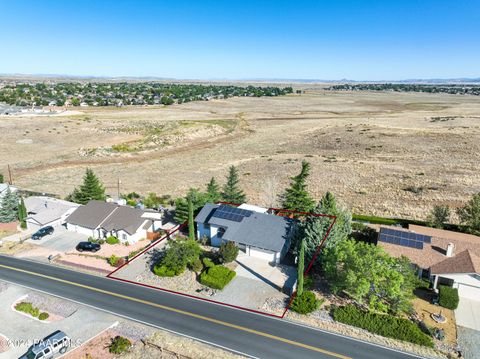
x: 37, y: 77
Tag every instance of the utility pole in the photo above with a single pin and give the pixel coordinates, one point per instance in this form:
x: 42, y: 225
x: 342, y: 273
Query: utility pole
x: 118, y: 188
x: 9, y: 175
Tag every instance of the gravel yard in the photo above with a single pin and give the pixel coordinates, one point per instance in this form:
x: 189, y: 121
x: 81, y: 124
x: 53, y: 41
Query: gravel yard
x: 52, y: 305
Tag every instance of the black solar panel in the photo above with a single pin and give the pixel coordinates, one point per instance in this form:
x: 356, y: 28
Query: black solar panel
x: 403, y: 238
x: 231, y: 213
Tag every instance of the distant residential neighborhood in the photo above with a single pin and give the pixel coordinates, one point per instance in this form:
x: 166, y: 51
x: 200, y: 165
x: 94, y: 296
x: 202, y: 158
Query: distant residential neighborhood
x: 84, y: 94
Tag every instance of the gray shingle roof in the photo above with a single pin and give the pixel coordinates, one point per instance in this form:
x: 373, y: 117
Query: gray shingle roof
x: 44, y: 210
x: 109, y: 216
x: 260, y: 230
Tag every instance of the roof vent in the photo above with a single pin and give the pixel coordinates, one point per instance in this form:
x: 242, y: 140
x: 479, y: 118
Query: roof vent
x: 450, y: 248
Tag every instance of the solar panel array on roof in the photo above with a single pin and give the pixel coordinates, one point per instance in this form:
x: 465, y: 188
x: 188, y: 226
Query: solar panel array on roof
x: 403, y: 238
x: 231, y: 213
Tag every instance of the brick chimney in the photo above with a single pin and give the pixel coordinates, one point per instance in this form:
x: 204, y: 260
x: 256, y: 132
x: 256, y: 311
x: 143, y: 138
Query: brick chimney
x: 450, y: 248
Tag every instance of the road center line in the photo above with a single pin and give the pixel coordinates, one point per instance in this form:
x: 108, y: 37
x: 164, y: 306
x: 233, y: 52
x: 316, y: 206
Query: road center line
x: 183, y: 312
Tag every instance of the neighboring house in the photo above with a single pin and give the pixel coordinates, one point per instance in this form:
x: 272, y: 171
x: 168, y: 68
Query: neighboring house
x: 444, y: 257
x: 257, y: 234
x: 47, y: 211
x: 100, y: 219
x: 4, y: 187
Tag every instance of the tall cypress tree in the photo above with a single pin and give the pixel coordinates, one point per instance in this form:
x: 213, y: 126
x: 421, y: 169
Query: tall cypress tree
x: 213, y: 191
x: 296, y: 197
x: 9, y: 207
x: 301, y: 267
x: 191, y: 224
x: 91, y: 189
x: 22, y: 214
x: 231, y: 190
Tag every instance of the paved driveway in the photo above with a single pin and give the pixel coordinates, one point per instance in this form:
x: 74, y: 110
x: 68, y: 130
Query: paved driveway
x: 61, y: 240
x: 468, y: 313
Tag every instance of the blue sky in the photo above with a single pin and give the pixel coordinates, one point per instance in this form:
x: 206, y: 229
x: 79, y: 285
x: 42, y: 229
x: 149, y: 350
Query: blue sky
x: 360, y: 40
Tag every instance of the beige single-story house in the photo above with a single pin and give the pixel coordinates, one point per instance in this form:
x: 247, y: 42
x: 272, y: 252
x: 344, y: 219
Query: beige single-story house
x: 100, y: 219
x: 445, y: 257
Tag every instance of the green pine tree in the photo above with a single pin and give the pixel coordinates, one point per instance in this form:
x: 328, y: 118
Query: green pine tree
x: 22, y: 214
x: 91, y: 189
x: 314, y: 229
x: 9, y: 207
x: 191, y: 224
x: 181, y: 204
x: 232, y: 192
x: 301, y: 267
x: 213, y: 191
x: 296, y: 197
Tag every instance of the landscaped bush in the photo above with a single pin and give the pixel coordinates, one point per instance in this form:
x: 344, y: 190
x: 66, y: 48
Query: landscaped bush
x: 228, y: 252
x: 196, y: 265
x: 448, y: 297
x: 28, y: 308
x: 43, y: 316
x: 178, y: 255
x: 112, y: 240
x: 112, y: 260
x: 217, y: 277
x: 382, y: 324
x: 164, y: 271
x: 119, y: 345
x: 305, y: 303
x: 308, y: 282
x: 207, y: 262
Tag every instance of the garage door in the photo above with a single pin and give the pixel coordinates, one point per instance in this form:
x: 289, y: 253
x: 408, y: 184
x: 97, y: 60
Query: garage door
x: 470, y: 292
x: 269, y: 256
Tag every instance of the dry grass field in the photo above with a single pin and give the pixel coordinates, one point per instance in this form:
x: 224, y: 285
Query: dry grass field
x: 393, y: 154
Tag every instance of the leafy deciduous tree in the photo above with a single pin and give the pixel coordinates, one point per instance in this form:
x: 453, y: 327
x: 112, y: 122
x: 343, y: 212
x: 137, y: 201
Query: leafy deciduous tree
x: 370, y: 276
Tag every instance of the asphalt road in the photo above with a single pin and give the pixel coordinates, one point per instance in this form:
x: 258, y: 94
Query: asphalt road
x: 247, y: 333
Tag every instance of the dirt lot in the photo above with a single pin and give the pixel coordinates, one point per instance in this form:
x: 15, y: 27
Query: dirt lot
x: 380, y: 153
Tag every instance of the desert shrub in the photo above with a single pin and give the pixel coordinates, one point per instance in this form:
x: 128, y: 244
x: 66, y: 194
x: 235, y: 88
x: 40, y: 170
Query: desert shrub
x: 119, y: 345
x: 179, y: 254
x: 196, y: 265
x: 217, y: 277
x: 382, y: 324
x: 43, y: 316
x: 207, y: 262
x: 164, y: 271
x: 305, y: 303
x: 448, y: 297
x: 228, y: 252
x: 112, y: 240
x: 28, y: 308
x: 113, y: 260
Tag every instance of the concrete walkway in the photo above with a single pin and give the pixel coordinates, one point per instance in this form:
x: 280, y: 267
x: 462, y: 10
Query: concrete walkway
x: 21, y: 330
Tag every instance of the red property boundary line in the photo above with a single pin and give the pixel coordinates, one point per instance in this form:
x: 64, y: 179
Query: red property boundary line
x: 183, y: 225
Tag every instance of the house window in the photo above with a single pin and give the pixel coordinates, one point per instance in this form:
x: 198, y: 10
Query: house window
x: 124, y: 236
x: 220, y: 232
